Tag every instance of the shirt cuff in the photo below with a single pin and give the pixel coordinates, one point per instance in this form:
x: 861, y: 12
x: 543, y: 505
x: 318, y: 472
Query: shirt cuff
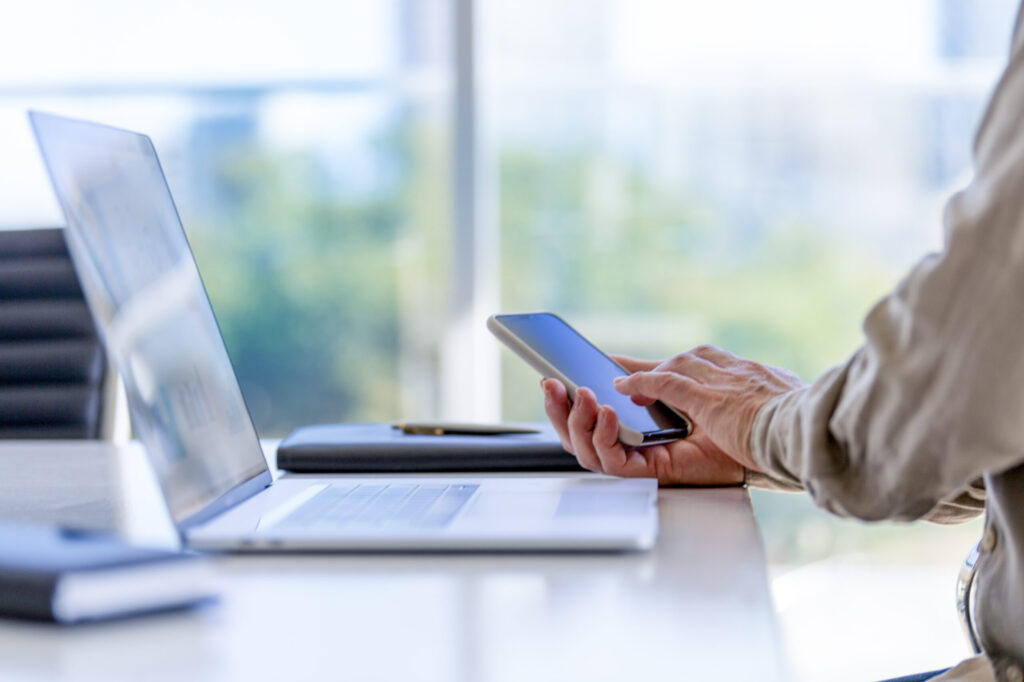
x: 772, y: 475
x: 756, y: 479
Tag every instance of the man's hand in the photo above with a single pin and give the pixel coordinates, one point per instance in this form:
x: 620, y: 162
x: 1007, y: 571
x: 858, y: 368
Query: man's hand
x: 721, y: 394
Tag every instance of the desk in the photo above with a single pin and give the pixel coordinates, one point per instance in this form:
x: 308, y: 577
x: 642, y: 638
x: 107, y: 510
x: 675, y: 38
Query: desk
x: 698, y: 607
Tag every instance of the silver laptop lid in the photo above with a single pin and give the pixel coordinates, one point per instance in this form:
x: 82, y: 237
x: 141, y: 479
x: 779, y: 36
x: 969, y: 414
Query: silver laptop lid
x: 145, y: 293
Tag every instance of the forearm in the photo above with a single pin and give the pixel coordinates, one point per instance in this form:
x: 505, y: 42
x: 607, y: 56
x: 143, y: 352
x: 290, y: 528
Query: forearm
x: 966, y: 505
x: 873, y: 448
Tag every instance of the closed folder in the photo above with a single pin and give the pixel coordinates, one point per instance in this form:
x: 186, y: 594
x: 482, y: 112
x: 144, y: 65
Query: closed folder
x: 382, y: 448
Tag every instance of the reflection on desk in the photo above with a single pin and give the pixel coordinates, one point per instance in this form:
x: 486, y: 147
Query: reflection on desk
x: 696, y: 608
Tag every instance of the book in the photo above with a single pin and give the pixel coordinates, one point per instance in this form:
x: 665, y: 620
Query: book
x: 384, y: 448
x: 66, y: 576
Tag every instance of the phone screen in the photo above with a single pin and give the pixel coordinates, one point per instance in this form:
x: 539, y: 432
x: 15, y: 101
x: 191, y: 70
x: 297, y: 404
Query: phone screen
x: 584, y: 365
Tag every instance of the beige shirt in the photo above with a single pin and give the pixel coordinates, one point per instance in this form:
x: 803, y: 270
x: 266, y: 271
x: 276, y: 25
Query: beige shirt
x: 926, y: 419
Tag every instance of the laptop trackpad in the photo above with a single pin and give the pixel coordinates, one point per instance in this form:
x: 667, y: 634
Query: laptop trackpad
x: 570, y: 503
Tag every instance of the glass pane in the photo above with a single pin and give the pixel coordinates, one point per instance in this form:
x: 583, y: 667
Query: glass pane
x: 306, y: 146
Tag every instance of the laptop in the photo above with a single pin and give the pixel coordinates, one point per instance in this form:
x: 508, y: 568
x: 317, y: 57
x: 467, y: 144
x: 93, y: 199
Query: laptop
x: 145, y: 293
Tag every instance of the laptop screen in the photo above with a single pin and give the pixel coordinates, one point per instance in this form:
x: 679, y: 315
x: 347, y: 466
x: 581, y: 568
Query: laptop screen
x: 144, y: 290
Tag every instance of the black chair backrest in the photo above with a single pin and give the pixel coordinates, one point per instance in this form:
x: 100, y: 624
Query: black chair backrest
x: 52, y: 365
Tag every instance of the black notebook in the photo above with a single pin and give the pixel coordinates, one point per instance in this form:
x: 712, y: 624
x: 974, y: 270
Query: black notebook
x: 381, y: 448
x: 47, y: 573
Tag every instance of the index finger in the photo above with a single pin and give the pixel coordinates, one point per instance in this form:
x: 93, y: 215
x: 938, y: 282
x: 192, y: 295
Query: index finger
x: 631, y: 364
x: 676, y: 390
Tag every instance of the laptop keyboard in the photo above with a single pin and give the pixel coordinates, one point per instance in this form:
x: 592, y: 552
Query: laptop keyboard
x: 357, y: 504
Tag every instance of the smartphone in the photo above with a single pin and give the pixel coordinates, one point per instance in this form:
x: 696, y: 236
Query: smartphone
x: 553, y: 348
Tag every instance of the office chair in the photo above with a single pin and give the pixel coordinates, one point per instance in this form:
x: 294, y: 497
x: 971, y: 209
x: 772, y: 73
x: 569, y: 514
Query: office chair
x: 55, y: 381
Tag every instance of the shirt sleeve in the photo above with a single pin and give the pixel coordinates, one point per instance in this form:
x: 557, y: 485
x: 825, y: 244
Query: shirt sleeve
x: 964, y: 506
x: 935, y: 395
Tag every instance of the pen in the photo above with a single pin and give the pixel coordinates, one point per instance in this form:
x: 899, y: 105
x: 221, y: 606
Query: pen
x: 460, y: 429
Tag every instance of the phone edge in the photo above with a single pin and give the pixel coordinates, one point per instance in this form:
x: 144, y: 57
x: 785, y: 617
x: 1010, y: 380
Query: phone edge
x: 547, y: 370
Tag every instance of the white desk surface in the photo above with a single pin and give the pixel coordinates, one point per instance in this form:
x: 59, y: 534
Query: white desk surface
x: 697, y: 607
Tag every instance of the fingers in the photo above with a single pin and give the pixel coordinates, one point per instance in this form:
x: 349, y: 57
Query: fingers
x: 582, y: 422
x: 556, y: 405
x: 633, y: 364
x: 594, y: 434
x: 615, y: 459
x: 604, y: 446
x: 589, y: 431
x: 607, y: 448
x: 703, y: 364
x: 677, y: 390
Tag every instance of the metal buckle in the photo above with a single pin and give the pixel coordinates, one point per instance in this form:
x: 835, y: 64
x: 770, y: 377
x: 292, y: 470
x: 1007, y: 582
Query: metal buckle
x: 965, y: 597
